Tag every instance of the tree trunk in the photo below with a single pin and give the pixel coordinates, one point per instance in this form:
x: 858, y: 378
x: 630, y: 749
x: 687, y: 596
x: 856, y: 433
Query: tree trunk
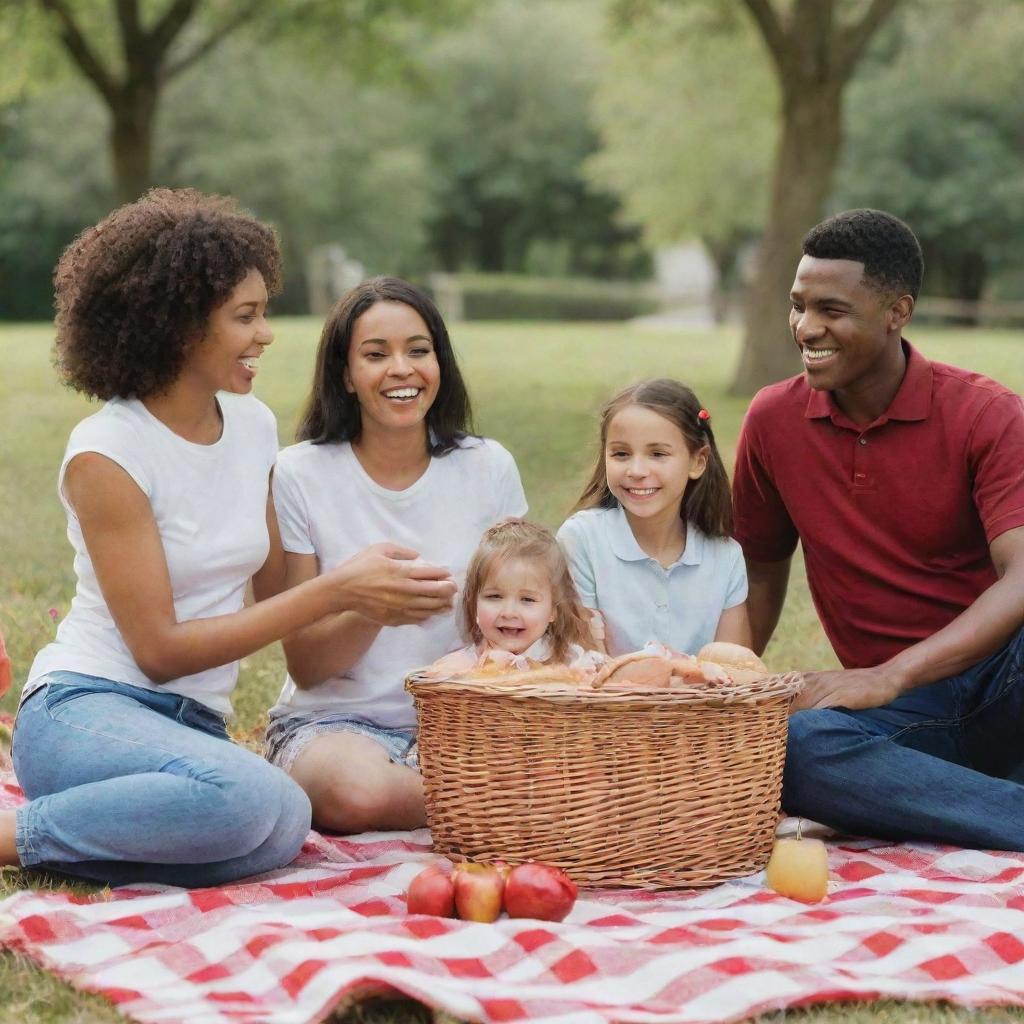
x: 965, y: 274
x: 973, y: 270
x: 131, y: 141
x: 723, y: 255
x: 490, y: 242
x: 804, y: 165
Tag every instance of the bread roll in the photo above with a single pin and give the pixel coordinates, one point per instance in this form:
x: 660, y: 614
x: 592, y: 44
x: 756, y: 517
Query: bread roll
x: 654, y: 673
x: 640, y: 668
x: 733, y: 656
x: 536, y: 673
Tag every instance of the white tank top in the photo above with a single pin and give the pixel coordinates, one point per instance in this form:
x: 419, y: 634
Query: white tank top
x: 209, y: 502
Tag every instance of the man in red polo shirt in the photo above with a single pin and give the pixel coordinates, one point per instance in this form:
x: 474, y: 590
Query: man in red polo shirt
x: 903, y: 480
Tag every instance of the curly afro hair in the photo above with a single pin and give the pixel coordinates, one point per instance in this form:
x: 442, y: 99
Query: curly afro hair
x: 889, y: 250
x: 135, y: 292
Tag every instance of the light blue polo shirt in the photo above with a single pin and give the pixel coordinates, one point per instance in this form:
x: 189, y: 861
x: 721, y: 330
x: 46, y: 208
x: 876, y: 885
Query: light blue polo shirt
x: 640, y: 600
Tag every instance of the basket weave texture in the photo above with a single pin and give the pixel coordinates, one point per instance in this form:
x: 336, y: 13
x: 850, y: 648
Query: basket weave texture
x: 648, y: 789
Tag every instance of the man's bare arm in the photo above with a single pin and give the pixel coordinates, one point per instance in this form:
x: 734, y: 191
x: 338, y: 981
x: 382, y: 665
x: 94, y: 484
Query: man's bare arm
x: 972, y: 636
x: 976, y: 632
x: 767, y: 583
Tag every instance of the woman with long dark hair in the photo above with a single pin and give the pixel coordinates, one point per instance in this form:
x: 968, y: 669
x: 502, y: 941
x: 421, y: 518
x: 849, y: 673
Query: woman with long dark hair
x: 385, y: 453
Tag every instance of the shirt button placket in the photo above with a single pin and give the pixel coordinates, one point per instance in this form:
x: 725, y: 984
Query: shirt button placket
x: 661, y: 630
x: 860, y: 470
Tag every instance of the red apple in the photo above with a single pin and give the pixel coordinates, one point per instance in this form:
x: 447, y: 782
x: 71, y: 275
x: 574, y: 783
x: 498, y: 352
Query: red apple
x: 432, y: 891
x: 540, y: 891
x: 478, y: 891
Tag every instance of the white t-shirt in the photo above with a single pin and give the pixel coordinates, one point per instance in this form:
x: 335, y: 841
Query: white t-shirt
x: 640, y: 600
x: 327, y: 505
x: 210, y: 506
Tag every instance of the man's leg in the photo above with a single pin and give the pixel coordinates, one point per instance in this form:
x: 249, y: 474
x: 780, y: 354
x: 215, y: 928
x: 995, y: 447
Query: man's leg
x: 939, y: 764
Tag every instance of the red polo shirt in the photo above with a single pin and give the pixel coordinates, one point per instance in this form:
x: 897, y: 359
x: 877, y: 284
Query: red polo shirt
x: 895, y: 517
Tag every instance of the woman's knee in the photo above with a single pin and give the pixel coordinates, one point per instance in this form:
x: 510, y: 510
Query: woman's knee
x: 295, y: 820
x: 250, y: 803
x: 289, y: 832
x: 349, y: 805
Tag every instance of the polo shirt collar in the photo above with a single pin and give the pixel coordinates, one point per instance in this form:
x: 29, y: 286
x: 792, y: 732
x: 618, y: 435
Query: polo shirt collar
x: 913, y: 401
x: 625, y: 545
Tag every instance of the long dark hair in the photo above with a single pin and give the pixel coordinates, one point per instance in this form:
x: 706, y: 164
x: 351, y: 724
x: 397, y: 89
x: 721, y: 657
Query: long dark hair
x: 706, y: 501
x: 332, y: 413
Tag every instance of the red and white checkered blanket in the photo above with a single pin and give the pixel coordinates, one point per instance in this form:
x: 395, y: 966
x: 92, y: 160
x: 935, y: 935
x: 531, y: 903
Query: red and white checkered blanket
x: 904, y: 922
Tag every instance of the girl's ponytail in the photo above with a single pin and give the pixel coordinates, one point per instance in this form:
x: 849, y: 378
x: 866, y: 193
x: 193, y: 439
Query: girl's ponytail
x: 707, y: 502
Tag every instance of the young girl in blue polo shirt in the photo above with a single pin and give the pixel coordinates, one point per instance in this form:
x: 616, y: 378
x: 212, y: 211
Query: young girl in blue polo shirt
x: 649, y: 542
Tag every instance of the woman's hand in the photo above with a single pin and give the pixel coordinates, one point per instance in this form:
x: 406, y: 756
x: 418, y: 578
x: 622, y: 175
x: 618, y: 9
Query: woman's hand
x: 392, y: 586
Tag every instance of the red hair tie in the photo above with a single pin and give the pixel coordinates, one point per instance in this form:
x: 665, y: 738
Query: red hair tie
x: 704, y: 416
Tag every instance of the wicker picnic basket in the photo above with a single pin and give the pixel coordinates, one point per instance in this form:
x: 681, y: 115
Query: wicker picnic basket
x: 644, y: 788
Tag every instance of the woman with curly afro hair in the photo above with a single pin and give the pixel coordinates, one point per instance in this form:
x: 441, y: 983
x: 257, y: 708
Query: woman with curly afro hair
x: 120, y: 741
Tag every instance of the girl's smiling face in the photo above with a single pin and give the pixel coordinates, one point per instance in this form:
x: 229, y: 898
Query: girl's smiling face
x: 515, y: 606
x: 648, y: 463
x: 392, y: 368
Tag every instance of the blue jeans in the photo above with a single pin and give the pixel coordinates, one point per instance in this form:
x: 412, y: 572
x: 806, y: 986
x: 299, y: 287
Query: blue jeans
x: 942, y: 763
x: 129, y: 785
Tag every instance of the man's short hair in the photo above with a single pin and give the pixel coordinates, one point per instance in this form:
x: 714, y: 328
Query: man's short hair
x: 889, y: 250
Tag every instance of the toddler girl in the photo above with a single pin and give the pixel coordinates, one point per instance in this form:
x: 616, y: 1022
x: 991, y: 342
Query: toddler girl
x: 520, y: 608
x: 649, y: 545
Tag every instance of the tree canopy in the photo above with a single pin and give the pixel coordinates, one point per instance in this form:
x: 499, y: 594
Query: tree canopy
x: 373, y: 161
x: 511, y: 128
x: 129, y: 51
x: 686, y: 113
x: 935, y: 137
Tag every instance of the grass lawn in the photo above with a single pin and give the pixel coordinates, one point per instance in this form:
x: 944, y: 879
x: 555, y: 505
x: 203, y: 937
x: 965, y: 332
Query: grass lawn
x: 535, y: 387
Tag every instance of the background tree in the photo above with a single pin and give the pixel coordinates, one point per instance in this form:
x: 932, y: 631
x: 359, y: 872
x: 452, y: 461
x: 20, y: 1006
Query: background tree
x: 510, y: 130
x: 686, y: 113
x: 53, y: 181
x: 304, y: 147
x: 815, y: 47
x: 129, y: 51
x: 322, y: 156
x: 936, y: 138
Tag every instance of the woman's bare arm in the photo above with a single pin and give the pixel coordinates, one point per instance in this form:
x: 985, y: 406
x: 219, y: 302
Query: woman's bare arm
x: 124, y: 545
x: 329, y: 647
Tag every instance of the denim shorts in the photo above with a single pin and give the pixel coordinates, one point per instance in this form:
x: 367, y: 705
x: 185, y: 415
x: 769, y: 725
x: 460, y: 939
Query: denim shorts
x: 288, y: 735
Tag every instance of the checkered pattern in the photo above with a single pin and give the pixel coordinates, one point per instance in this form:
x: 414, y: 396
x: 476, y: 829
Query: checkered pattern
x: 906, y: 922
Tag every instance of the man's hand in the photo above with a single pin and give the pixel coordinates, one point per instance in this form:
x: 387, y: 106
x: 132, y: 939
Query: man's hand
x: 853, y: 688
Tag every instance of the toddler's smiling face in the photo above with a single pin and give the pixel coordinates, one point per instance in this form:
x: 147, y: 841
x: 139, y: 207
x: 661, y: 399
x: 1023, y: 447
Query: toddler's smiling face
x: 515, y: 605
